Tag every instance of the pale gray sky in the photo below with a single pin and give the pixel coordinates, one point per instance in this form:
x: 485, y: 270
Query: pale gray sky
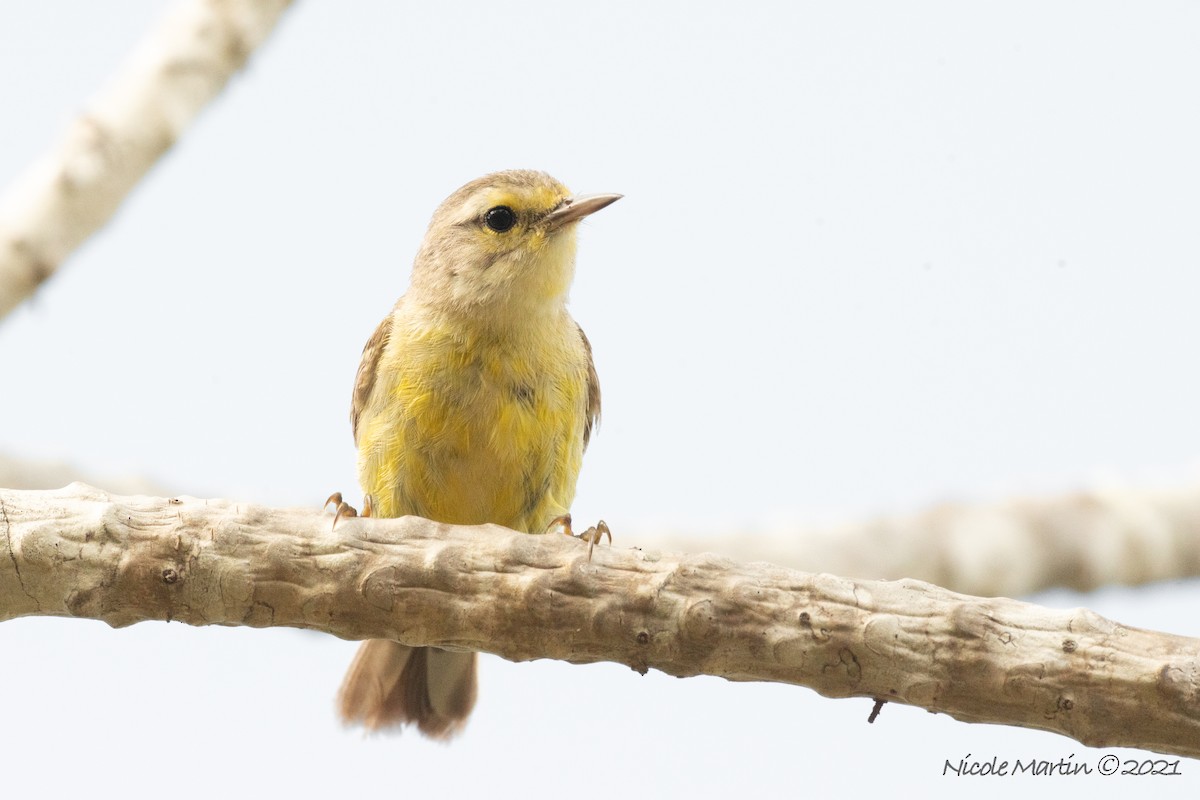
x: 871, y: 256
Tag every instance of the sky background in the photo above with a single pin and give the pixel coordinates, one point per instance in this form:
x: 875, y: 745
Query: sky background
x: 871, y: 256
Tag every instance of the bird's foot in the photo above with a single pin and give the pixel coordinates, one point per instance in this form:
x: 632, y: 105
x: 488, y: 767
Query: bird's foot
x: 592, y: 535
x: 344, y: 509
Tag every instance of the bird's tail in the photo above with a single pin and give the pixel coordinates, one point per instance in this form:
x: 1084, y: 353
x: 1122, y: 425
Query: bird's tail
x: 390, y: 684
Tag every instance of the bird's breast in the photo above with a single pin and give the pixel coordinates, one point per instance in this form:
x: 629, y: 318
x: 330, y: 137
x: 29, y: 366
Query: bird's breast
x: 470, y: 429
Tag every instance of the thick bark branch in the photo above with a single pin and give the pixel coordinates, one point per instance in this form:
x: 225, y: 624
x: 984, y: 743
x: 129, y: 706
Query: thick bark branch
x: 83, y: 553
x: 1082, y: 540
x: 72, y: 191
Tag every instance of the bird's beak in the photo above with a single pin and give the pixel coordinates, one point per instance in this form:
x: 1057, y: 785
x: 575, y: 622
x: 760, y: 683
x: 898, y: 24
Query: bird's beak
x: 576, y: 208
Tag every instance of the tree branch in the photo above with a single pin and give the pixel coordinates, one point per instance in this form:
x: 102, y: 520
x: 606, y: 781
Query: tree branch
x: 80, y: 552
x: 36, y: 473
x: 72, y: 191
x: 1081, y: 540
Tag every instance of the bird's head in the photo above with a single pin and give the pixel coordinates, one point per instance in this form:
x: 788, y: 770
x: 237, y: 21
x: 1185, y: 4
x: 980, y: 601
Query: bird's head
x: 503, y: 245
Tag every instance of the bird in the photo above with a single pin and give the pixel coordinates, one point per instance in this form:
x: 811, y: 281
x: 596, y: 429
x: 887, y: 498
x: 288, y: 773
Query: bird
x: 473, y: 403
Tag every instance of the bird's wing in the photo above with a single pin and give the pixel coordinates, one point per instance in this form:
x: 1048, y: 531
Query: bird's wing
x: 368, y: 370
x: 593, y: 389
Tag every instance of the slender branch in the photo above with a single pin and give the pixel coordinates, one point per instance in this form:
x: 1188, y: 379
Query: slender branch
x: 80, y: 552
x: 1081, y: 540
x: 75, y: 188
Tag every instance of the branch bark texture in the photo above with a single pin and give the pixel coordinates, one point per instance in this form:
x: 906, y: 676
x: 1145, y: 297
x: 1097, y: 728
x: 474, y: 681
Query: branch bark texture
x: 82, y: 553
x: 75, y: 188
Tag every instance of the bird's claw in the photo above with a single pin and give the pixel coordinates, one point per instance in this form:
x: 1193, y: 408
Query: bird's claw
x: 344, y: 509
x: 592, y: 535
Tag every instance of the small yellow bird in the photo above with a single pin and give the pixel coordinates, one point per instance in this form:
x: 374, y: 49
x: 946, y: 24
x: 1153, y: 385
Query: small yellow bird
x: 473, y: 403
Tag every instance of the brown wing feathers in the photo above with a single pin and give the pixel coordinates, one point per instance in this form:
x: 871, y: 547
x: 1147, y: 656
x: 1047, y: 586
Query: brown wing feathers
x: 368, y: 369
x: 593, y: 390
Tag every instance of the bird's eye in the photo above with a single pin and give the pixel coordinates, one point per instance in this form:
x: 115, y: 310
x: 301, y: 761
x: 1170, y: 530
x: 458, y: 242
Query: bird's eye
x: 500, y: 218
